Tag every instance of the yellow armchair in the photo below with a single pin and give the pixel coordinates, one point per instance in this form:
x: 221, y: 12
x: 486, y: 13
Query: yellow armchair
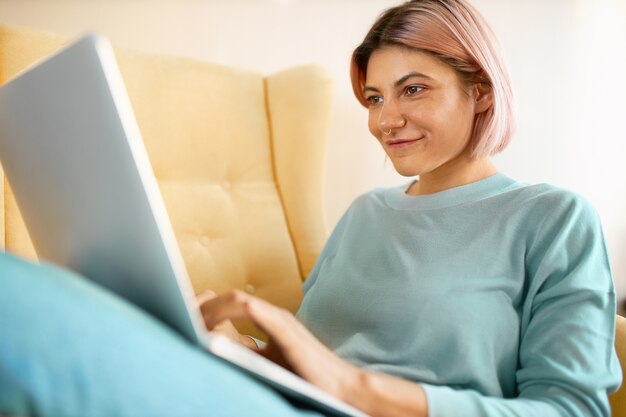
x: 238, y: 158
x: 618, y: 399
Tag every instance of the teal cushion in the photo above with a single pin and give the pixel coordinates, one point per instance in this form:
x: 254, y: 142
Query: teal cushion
x: 69, y: 348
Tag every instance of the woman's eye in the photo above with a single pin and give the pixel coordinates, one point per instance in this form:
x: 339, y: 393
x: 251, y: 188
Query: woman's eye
x: 372, y: 100
x: 413, y: 89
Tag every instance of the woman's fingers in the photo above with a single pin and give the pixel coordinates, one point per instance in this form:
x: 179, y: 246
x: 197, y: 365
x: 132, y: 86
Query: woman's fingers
x: 289, y: 338
x: 284, y: 330
x: 234, y: 305
x: 205, y: 296
x: 274, y: 321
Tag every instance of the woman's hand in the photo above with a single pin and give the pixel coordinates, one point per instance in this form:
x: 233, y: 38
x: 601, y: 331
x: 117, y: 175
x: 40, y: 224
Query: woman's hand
x: 290, y: 343
x: 226, y: 327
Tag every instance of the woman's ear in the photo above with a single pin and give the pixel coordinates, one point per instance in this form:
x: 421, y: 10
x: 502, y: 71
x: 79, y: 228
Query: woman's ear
x: 483, y: 97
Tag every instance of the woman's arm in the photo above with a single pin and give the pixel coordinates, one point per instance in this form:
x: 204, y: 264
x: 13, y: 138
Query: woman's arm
x: 294, y: 347
x: 566, y: 361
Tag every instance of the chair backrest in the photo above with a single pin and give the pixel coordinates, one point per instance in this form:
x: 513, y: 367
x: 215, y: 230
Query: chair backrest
x: 238, y: 158
x: 618, y: 399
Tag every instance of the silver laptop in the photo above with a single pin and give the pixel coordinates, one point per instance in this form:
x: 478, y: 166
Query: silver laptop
x: 75, y: 159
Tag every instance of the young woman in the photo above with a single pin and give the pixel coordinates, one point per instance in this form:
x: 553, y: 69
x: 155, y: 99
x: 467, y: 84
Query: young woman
x: 463, y: 293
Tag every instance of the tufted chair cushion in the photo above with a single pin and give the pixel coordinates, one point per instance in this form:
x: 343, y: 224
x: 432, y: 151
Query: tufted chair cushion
x: 238, y: 158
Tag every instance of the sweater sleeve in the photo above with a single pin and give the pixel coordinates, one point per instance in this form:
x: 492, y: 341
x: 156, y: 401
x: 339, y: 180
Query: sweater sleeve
x: 567, y: 361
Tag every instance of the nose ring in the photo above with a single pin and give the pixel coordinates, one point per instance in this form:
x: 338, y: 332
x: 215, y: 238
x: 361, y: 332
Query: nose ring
x: 387, y: 133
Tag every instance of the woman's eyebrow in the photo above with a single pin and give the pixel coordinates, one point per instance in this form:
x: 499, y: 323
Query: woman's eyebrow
x: 409, y: 76
x: 400, y: 81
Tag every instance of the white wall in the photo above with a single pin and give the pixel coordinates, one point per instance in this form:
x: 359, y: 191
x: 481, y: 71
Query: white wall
x: 567, y: 59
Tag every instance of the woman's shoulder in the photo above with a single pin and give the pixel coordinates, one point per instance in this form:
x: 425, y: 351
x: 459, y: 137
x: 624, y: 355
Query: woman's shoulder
x: 551, y: 199
x: 548, y: 210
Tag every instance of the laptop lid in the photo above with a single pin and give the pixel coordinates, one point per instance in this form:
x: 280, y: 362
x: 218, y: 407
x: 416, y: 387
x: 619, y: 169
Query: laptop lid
x: 74, y: 157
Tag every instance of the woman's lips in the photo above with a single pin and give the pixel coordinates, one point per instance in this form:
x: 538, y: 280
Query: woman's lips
x: 401, y: 143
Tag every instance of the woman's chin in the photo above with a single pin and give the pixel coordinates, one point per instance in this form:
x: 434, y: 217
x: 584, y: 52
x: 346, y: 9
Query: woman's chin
x: 406, y: 170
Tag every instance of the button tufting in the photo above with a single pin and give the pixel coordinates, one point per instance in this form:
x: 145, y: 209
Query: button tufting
x: 250, y: 289
x: 205, y: 241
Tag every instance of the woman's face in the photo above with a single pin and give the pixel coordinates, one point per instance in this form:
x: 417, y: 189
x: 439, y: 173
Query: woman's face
x: 419, y: 111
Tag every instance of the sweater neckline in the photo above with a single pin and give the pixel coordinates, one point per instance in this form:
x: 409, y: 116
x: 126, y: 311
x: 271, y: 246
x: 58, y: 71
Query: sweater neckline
x: 397, y: 198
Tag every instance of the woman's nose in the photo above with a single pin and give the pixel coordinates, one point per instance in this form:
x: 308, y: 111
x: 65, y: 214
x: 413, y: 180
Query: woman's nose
x: 390, y: 117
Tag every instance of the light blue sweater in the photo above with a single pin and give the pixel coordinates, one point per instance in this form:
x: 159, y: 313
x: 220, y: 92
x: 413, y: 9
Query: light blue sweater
x: 496, y: 296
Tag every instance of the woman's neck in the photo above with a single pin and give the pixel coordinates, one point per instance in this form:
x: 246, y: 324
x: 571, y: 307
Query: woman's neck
x: 443, y: 178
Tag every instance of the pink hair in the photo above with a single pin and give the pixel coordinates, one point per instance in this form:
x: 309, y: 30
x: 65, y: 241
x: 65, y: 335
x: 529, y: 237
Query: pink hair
x: 456, y: 33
